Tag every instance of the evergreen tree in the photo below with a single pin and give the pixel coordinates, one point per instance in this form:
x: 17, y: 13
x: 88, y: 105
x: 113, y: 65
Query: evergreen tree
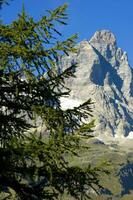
x: 34, y: 163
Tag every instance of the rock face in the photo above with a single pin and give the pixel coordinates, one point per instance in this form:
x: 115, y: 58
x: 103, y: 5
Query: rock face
x: 104, y: 75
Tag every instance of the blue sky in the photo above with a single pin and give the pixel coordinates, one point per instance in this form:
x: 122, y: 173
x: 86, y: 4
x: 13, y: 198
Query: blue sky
x: 85, y: 17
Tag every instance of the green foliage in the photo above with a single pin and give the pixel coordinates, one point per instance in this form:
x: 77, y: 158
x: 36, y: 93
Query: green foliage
x: 35, y: 164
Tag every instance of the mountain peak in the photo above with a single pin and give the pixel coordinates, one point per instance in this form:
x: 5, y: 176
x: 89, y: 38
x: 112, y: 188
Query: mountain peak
x: 103, y: 36
x: 104, y: 75
x: 105, y: 42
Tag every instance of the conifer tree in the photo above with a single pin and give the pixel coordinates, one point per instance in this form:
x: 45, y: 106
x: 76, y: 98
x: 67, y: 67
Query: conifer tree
x: 34, y: 163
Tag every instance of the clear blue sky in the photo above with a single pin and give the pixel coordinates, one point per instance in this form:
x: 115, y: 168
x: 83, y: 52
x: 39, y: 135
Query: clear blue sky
x: 85, y: 17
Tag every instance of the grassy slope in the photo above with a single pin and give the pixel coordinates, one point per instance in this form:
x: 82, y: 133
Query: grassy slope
x: 111, y: 158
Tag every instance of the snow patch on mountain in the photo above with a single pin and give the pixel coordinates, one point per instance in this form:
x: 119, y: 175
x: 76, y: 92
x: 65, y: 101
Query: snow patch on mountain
x: 67, y: 103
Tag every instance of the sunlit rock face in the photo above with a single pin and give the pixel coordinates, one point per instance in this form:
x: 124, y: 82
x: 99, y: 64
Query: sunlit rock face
x: 104, y: 75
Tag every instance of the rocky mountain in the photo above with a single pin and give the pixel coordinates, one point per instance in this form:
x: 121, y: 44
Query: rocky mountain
x: 104, y: 75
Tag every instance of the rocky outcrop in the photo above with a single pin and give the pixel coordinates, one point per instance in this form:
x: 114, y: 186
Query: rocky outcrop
x: 104, y: 75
